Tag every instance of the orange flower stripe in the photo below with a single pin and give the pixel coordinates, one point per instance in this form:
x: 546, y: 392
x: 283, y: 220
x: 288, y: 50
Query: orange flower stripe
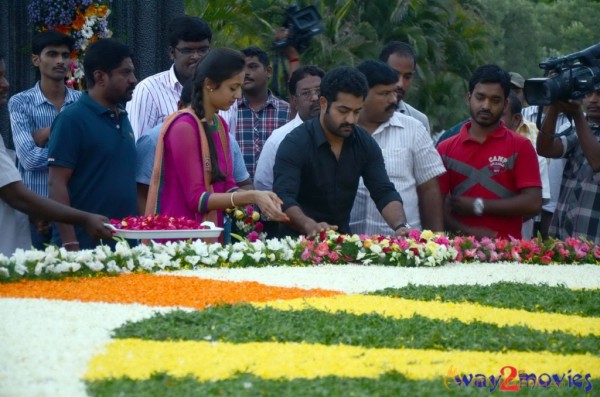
x: 154, y: 290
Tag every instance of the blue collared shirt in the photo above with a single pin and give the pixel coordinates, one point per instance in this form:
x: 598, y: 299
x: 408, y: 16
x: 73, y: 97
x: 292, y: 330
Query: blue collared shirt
x: 29, y: 111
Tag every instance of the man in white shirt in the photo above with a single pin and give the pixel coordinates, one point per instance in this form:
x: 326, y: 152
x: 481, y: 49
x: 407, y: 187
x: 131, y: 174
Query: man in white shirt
x: 411, y: 160
x: 156, y: 96
x: 304, y: 96
x: 401, y: 57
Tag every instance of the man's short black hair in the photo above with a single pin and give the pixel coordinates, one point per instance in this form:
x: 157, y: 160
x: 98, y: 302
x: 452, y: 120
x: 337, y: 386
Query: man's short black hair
x: 343, y: 79
x: 50, y: 38
x: 490, y: 74
x: 105, y: 55
x: 187, y: 28
x: 301, y: 73
x: 254, y: 51
x: 377, y: 73
x: 397, y: 47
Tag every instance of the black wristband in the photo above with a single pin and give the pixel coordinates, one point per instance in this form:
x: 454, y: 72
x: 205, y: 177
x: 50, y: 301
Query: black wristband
x: 403, y: 224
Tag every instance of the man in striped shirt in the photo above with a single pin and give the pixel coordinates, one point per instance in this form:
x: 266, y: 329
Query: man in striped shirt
x: 156, y: 96
x: 260, y: 112
x: 33, y: 111
x: 411, y: 161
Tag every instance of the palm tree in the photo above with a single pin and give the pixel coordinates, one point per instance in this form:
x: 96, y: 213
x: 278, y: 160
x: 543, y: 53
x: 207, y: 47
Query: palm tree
x: 451, y: 39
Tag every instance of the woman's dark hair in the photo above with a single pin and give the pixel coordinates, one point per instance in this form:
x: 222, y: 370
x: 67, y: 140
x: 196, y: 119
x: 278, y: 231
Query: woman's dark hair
x: 186, y: 92
x: 490, y: 74
x: 50, y: 38
x: 218, y: 65
x: 105, y: 55
x: 343, y: 79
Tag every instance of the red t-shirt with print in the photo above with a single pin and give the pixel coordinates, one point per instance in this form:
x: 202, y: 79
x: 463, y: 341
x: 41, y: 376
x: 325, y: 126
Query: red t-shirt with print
x: 498, y: 168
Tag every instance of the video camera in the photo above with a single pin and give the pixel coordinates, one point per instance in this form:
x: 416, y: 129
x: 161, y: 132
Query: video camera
x: 577, y: 75
x: 302, y: 25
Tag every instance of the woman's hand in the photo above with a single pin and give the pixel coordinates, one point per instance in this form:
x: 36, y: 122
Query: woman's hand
x: 270, y: 206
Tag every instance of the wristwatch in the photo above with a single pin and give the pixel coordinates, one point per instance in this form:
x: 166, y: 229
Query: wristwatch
x: 478, y: 206
x: 402, y: 225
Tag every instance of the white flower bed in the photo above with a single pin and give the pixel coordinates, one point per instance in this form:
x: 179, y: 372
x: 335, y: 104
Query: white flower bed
x: 354, y: 279
x: 45, y: 344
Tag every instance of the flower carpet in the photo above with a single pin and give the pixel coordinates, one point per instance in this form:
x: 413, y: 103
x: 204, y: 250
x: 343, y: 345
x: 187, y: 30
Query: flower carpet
x: 303, y: 330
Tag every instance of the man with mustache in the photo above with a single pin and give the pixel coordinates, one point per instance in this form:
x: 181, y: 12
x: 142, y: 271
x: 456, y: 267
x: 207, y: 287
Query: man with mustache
x: 304, y: 88
x: 411, y: 160
x: 92, y: 146
x: 493, y: 177
x: 576, y: 212
x: 33, y: 111
x: 319, y: 164
x: 156, y: 96
x: 259, y: 111
x: 401, y: 57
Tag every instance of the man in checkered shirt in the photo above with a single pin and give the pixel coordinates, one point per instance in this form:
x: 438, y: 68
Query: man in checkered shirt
x: 578, y: 209
x: 259, y: 111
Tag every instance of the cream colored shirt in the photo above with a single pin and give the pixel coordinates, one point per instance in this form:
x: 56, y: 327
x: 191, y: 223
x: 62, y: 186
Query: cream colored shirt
x: 410, y: 160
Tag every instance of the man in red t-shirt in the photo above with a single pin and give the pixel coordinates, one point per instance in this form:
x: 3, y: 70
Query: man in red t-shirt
x: 493, y: 177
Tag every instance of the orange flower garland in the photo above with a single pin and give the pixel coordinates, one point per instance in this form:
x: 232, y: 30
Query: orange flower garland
x: 155, y: 290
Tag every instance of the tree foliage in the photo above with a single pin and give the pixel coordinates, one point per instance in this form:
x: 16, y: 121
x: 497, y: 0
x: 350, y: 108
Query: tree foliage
x: 451, y: 37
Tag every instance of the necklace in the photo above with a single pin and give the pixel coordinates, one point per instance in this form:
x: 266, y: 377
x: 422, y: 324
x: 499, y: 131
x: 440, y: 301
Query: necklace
x: 214, y: 125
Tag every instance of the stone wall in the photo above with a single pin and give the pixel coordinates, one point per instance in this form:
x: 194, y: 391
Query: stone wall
x: 141, y: 24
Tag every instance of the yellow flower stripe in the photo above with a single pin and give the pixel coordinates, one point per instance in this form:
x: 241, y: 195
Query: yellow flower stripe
x: 138, y: 359
x: 465, y: 312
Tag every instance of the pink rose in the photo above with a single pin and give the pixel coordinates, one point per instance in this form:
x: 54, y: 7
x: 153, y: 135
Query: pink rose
x: 253, y: 236
x: 322, y: 249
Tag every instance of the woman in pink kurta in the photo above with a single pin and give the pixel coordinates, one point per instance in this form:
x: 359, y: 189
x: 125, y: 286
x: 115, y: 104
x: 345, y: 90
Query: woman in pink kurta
x: 183, y: 177
x: 193, y: 171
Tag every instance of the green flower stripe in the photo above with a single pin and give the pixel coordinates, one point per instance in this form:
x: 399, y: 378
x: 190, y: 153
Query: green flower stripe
x: 245, y: 323
x: 533, y: 298
x: 388, y: 385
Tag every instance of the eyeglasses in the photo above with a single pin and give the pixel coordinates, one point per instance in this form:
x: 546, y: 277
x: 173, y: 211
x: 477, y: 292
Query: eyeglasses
x: 308, y: 94
x: 190, y: 51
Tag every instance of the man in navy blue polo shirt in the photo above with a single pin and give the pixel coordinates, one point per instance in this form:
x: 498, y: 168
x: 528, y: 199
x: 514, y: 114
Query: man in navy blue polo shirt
x: 92, y: 148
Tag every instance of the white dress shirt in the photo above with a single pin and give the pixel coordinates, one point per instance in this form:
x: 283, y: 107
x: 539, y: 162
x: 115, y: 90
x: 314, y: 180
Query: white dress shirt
x: 410, y: 160
x: 408, y: 110
x: 156, y: 97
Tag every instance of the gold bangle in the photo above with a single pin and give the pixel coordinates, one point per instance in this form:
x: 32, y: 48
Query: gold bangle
x: 232, y: 203
x: 70, y: 243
